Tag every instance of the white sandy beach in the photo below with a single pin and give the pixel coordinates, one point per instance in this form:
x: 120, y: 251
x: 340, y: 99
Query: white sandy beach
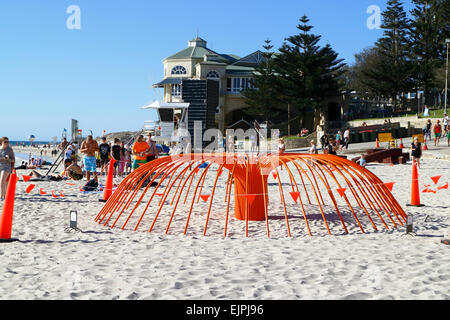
x: 100, y: 263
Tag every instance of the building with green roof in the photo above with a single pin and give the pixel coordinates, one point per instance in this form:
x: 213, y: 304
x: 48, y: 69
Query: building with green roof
x: 198, y: 62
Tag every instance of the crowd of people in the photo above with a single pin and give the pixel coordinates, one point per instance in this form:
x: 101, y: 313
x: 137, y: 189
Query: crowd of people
x: 439, y: 131
x: 94, y: 157
x: 97, y: 156
x: 332, y: 143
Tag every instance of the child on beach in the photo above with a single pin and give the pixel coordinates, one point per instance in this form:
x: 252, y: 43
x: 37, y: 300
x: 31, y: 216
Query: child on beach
x: 313, y: 149
x: 123, y: 158
x: 362, y: 161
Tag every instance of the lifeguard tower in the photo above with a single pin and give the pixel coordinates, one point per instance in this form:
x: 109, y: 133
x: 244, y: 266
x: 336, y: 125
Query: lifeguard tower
x: 171, y: 126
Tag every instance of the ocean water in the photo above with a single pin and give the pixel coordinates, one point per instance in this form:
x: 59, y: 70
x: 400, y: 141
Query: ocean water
x: 28, y: 143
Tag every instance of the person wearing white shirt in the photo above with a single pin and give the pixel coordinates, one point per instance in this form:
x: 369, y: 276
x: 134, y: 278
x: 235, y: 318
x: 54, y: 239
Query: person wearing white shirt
x: 346, y: 138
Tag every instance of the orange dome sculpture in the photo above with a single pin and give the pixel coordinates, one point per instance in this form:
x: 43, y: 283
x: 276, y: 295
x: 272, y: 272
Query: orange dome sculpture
x: 169, y: 183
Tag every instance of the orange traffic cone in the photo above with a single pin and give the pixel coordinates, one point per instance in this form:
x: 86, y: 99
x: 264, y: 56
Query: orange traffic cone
x: 425, y: 147
x: 8, y: 210
x: 401, y: 144
x: 109, y: 181
x: 415, y: 193
x: 377, y: 144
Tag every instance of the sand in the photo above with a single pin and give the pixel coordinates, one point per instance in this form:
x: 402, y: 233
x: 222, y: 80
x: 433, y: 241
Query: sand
x: 104, y: 263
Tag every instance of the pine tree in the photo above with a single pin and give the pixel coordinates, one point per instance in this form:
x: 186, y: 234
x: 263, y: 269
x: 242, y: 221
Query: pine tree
x: 262, y: 99
x: 391, y: 73
x: 307, y: 73
x: 429, y: 28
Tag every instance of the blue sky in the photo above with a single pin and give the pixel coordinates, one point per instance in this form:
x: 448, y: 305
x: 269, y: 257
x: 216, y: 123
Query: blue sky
x: 102, y: 73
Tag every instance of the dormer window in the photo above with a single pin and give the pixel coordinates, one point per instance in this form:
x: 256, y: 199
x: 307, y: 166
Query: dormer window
x: 213, y: 75
x: 178, y: 70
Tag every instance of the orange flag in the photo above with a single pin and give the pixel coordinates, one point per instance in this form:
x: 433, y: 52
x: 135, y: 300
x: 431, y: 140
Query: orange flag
x: 30, y: 187
x: 436, y: 179
x: 26, y: 178
x: 341, y: 191
x: 445, y: 186
x: 205, y: 197
x: 295, y: 195
x: 389, y: 185
x: 61, y: 194
x: 53, y: 194
x: 274, y: 174
x: 42, y: 192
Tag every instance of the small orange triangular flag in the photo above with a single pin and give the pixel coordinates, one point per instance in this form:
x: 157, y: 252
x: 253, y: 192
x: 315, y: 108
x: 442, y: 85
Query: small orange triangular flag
x: 61, y: 194
x: 30, y: 187
x: 445, y: 186
x: 26, y: 178
x: 389, y: 185
x: 159, y: 194
x: 274, y: 174
x: 436, y: 179
x: 295, y: 195
x: 250, y: 197
x: 205, y: 197
x: 53, y: 194
x: 42, y: 192
x: 341, y: 191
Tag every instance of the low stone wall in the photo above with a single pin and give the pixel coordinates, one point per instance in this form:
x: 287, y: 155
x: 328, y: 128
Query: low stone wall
x: 405, y: 122
x: 302, y: 142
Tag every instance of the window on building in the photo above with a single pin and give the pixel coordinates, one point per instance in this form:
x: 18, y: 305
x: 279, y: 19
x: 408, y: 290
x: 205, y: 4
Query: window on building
x: 176, y: 90
x: 213, y: 75
x: 179, y: 70
x: 236, y: 85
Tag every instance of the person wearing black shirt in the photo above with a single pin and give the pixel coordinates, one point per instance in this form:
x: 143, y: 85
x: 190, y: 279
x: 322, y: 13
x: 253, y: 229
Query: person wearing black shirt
x: 104, y: 150
x: 332, y: 146
x: 115, y: 154
x: 324, y: 141
x: 416, y: 151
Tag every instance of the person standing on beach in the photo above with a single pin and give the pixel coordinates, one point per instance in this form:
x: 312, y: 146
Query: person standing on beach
x: 324, y: 141
x: 116, y: 151
x: 346, y: 138
x: 437, y: 133
x: 152, y: 151
x: 427, y: 130
x: 445, y: 123
x: 7, y: 160
x: 63, y: 144
x: 88, y: 148
x: 105, y: 150
x: 123, y: 158
x: 139, y: 150
x: 416, y: 151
